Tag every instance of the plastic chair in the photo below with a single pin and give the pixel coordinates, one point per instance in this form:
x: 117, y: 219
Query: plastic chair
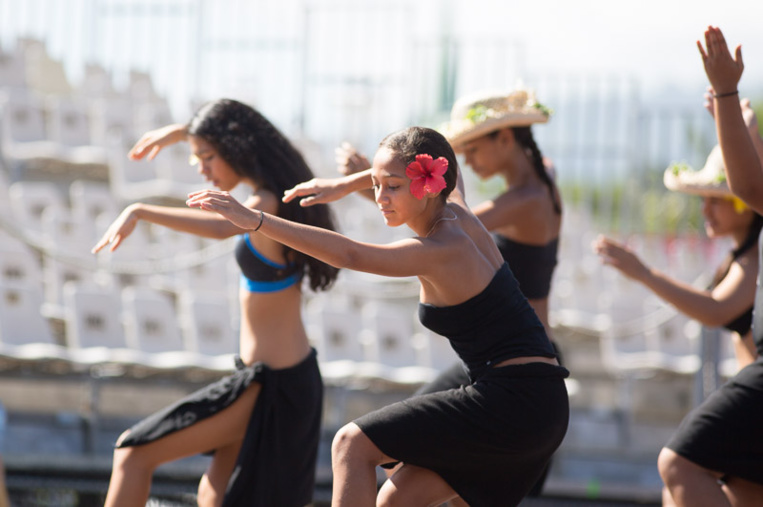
x: 29, y: 199
x: 207, y: 328
x: 388, y: 330
x: 151, y: 329
x: 24, y: 333
x: 93, y: 326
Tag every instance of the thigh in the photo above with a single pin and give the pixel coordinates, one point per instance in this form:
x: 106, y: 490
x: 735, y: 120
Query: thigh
x: 413, y: 485
x: 221, y: 430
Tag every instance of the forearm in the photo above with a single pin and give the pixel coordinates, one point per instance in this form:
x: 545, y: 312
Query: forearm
x: 198, y: 222
x: 325, y: 245
x: 693, y: 302
x: 741, y: 159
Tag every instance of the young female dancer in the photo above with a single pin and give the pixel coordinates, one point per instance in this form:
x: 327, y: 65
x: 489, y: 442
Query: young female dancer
x: 262, y: 422
x: 488, y: 441
x: 494, y: 133
x: 715, y: 457
x: 728, y: 302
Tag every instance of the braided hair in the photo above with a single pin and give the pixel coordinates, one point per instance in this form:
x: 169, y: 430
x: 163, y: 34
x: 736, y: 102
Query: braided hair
x: 254, y: 148
x: 524, y: 137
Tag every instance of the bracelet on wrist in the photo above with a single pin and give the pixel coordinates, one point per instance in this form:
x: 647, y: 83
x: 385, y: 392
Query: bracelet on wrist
x: 262, y: 217
x: 727, y: 94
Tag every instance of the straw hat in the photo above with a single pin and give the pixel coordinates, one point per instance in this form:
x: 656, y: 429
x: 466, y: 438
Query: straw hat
x: 480, y: 114
x: 710, y: 181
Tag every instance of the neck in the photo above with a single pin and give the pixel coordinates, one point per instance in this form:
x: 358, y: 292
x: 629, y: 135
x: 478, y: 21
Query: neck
x: 519, y: 171
x: 443, y: 215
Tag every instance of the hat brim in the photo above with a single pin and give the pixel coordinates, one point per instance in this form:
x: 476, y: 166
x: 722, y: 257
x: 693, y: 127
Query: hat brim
x: 688, y: 182
x: 458, y: 135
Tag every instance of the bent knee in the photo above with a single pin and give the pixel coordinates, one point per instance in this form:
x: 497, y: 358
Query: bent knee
x: 351, y: 443
x: 133, y: 458
x: 347, y: 437
x: 667, y: 464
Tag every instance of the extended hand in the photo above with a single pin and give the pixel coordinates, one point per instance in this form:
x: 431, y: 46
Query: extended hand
x: 225, y: 205
x: 723, y: 70
x: 349, y: 160
x: 619, y: 257
x: 118, y: 230
x: 315, y: 191
x: 153, y: 141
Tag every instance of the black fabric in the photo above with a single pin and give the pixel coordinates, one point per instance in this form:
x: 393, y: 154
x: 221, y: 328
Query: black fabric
x: 757, y: 313
x: 724, y: 432
x: 532, y: 265
x: 495, y: 325
x: 741, y: 324
x: 258, y: 268
x: 490, y: 440
x: 276, y: 464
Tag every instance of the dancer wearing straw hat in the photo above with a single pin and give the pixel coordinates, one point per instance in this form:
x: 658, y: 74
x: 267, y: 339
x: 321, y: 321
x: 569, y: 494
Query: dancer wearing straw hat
x: 716, y: 456
x: 728, y: 301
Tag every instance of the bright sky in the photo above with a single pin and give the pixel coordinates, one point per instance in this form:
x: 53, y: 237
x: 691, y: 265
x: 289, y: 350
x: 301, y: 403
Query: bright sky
x: 653, y: 40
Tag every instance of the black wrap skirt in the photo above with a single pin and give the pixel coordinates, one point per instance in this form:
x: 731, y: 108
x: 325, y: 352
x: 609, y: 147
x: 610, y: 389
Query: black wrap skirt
x: 723, y: 434
x: 276, y: 464
x: 489, y: 440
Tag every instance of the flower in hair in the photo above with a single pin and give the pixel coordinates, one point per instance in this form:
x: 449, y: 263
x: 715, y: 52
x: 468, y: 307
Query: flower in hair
x: 427, y: 175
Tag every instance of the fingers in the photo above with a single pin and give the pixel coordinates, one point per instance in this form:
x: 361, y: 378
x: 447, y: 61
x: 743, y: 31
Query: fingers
x: 738, y: 57
x: 298, y: 191
x: 701, y: 51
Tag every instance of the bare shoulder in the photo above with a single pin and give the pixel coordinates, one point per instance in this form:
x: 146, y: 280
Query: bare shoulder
x: 264, y: 200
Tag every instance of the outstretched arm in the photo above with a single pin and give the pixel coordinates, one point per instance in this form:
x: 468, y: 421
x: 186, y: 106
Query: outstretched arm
x: 323, y: 191
x: 729, y: 299
x: 743, y: 167
x: 408, y: 257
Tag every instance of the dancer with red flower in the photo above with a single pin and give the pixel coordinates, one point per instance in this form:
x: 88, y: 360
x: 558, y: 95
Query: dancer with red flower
x: 488, y: 441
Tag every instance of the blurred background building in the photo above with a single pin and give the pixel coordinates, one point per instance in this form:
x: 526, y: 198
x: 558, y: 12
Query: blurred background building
x: 89, y: 345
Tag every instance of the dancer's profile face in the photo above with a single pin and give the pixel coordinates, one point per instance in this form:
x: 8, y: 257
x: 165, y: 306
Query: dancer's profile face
x: 722, y: 219
x: 484, y: 156
x: 211, y: 166
x: 392, y: 189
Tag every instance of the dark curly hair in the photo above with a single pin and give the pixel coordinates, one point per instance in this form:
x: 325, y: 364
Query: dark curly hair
x: 408, y: 143
x: 256, y: 149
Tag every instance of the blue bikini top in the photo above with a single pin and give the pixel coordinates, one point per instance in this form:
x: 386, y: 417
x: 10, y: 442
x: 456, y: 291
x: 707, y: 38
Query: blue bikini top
x: 260, y: 274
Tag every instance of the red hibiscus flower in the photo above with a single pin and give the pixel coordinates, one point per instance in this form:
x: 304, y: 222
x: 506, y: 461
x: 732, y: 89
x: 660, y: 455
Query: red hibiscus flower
x: 426, y: 175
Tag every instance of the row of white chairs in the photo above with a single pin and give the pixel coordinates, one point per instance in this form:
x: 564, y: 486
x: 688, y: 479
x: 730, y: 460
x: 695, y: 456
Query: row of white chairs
x: 379, y: 341
x: 143, y: 327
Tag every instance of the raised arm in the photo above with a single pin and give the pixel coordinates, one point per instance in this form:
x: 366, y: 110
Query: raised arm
x: 152, y: 142
x: 743, y: 167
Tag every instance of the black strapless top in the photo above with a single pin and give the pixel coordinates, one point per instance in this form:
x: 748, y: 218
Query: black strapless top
x: 495, y: 325
x: 532, y: 265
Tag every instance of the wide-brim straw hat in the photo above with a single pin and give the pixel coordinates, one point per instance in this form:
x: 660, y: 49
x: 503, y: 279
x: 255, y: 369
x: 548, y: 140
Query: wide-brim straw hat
x: 484, y: 112
x: 710, y: 181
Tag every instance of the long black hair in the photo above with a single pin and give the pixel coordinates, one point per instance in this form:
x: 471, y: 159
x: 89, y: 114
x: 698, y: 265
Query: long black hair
x: 408, y: 143
x: 256, y: 149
